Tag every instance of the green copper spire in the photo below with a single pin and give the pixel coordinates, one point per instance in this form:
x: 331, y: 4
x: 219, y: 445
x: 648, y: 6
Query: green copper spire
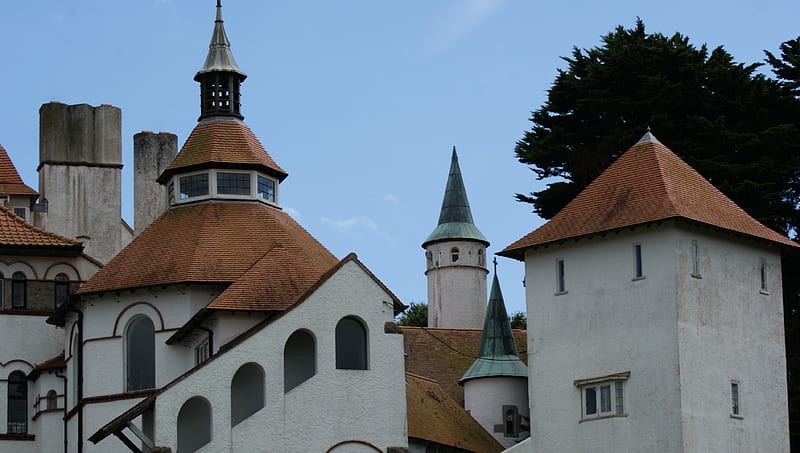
x: 497, y: 355
x: 455, y: 218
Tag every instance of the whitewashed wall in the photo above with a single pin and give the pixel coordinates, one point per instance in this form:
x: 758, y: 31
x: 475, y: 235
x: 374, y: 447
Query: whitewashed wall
x: 456, y: 291
x: 484, y: 398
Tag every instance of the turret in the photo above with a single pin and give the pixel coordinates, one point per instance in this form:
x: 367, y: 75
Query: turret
x: 456, y: 261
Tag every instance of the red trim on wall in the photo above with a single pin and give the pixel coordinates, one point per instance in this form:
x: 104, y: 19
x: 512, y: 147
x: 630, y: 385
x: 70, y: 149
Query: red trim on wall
x: 116, y: 321
x: 361, y: 442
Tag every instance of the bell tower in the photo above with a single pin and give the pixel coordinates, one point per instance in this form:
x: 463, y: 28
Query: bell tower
x: 455, y: 254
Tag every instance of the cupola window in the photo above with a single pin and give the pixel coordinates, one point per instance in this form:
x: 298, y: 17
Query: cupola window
x: 233, y: 183
x: 266, y: 188
x: 193, y: 185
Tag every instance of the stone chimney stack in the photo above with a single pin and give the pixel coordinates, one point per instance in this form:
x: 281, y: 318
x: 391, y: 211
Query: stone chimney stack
x: 152, y: 153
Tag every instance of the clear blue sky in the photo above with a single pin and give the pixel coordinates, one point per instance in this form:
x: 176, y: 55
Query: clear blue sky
x: 360, y: 101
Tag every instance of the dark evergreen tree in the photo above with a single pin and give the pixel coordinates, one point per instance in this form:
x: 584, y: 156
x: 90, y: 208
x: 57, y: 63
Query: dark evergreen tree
x: 738, y: 128
x: 416, y: 315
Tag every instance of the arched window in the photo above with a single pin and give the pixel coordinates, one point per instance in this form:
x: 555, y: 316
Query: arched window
x: 194, y: 425
x: 52, y: 400
x: 454, y: 254
x: 140, y: 354
x: 351, y: 344
x: 19, y: 286
x: 62, y: 289
x: 17, y: 403
x: 247, y: 392
x: 299, y: 359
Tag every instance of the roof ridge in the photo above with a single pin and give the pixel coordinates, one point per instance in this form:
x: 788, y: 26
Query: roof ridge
x: 29, y: 226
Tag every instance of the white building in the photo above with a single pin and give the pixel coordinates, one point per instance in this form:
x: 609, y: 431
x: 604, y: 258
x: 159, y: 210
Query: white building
x: 655, y: 317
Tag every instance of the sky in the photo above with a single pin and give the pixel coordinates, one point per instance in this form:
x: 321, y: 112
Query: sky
x: 360, y: 101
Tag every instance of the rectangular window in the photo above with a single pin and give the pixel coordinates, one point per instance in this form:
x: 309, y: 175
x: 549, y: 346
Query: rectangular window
x: 637, y: 261
x: 193, y: 186
x: 736, y: 410
x: 266, y: 188
x: 762, y: 273
x: 233, y: 183
x: 561, y: 284
x: 202, y: 352
x: 171, y: 194
x: 602, y: 396
x: 695, y: 260
x: 21, y: 212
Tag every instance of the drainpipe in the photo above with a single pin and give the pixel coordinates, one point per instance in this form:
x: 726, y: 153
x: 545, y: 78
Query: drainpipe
x: 66, y: 445
x: 79, y: 396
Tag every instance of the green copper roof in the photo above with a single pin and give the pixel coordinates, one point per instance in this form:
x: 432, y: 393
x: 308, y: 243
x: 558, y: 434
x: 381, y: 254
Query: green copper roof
x: 455, y: 218
x: 497, y: 355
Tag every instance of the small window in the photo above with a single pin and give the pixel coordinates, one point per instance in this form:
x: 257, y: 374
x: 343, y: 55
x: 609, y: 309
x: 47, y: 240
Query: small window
x: 511, y: 421
x: 19, y: 289
x: 17, y: 403
x: 171, y: 194
x: 299, y: 359
x: 454, y: 254
x: 202, y: 352
x: 561, y: 284
x: 266, y: 188
x: 61, y: 289
x: 762, y: 273
x: 194, y: 425
x: 480, y: 257
x: 21, y: 212
x: 52, y: 400
x: 638, y: 272
x: 603, y: 397
x: 193, y: 185
x: 2, y: 291
x: 695, y: 260
x: 351, y: 344
x: 736, y: 408
x: 233, y: 183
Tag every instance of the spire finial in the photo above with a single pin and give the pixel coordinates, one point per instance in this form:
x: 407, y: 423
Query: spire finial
x: 494, y: 261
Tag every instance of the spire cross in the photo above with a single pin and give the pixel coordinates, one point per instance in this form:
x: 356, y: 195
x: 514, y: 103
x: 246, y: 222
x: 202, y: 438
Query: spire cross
x: 494, y: 261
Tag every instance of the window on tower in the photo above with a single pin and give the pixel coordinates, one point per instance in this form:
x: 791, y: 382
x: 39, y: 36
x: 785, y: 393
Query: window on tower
x: 233, y: 183
x: 266, y: 188
x: 454, y: 254
x: 561, y: 282
x: 193, y: 185
x: 603, y: 396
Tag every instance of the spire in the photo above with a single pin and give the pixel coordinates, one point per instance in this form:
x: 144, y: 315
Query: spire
x: 455, y: 217
x: 220, y: 76
x: 497, y: 355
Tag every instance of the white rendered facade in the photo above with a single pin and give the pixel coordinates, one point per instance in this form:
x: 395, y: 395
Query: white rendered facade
x: 456, y: 273
x: 673, y: 339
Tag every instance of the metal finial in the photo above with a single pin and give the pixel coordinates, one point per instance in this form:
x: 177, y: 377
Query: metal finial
x: 494, y: 261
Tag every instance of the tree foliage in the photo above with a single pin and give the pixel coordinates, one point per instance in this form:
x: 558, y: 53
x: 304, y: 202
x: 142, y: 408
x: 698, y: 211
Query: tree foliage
x: 519, y: 320
x: 732, y: 125
x: 416, y: 315
x: 738, y: 128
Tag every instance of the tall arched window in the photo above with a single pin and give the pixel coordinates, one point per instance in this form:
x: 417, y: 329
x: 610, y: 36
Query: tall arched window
x: 17, y: 403
x: 247, y: 392
x: 19, y: 286
x: 140, y: 354
x: 351, y: 344
x: 194, y: 425
x: 61, y: 289
x: 299, y: 359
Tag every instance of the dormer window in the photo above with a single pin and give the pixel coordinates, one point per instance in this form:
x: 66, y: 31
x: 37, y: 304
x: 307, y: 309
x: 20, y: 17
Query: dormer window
x: 266, y: 188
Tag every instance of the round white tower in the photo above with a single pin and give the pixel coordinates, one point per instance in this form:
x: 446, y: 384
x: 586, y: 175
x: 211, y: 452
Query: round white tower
x: 456, y: 261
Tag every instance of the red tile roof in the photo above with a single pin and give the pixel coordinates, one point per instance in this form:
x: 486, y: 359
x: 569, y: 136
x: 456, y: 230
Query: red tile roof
x: 222, y: 144
x: 444, y: 355
x: 435, y: 417
x: 10, y: 182
x: 214, y: 242
x: 648, y: 183
x: 16, y: 232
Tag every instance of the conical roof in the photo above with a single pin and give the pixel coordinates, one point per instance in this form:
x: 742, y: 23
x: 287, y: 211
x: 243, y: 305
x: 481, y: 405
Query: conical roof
x: 455, y: 218
x: 648, y: 183
x: 220, y: 57
x: 497, y: 355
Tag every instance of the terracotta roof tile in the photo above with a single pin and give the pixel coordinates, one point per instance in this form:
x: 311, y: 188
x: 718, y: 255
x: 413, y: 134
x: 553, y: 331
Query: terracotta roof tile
x: 220, y: 144
x: 646, y: 184
x: 16, y: 232
x: 434, y: 416
x: 444, y: 355
x: 10, y: 181
x: 211, y: 242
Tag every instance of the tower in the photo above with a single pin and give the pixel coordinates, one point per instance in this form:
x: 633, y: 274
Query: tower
x: 496, y: 385
x: 455, y: 254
